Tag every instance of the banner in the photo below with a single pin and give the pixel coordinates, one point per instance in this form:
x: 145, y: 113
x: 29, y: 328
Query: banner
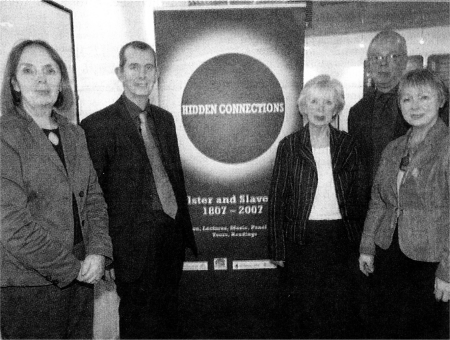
x: 231, y: 77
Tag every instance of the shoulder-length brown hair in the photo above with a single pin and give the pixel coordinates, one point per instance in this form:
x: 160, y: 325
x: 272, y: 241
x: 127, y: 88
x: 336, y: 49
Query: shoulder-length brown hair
x: 11, y: 98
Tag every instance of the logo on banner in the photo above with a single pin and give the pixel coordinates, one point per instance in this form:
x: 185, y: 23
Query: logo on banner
x: 233, y: 108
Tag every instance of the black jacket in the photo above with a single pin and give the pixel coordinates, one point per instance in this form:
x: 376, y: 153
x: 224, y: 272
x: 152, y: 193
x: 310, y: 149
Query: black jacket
x: 294, y: 184
x: 120, y: 159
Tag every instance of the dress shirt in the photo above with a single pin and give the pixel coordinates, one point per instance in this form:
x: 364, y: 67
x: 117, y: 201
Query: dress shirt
x: 325, y: 205
x: 152, y: 202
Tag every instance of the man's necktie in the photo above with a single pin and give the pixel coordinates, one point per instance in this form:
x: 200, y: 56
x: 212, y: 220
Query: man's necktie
x: 162, y: 182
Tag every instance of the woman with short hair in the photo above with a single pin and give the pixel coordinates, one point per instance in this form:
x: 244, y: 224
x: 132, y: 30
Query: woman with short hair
x: 314, y: 216
x: 405, y: 243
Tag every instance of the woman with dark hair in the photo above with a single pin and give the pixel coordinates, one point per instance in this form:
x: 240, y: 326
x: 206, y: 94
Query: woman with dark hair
x: 405, y: 243
x: 54, y: 224
x: 314, y: 216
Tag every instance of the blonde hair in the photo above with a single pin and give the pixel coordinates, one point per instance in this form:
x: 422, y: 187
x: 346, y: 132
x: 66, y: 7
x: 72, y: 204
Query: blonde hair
x: 323, y: 81
x: 424, y: 77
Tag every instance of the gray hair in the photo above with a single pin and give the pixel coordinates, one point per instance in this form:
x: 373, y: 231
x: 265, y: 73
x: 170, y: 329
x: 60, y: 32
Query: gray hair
x: 323, y: 81
x: 389, y: 35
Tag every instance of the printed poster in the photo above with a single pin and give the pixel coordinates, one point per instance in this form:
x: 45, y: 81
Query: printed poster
x: 231, y: 77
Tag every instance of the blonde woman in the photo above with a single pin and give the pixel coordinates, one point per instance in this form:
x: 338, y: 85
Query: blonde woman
x: 314, y: 216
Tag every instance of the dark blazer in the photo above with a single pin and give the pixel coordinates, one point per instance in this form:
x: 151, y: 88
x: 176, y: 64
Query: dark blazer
x: 360, y: 121
x: 294, y: 183
x: 120, y: 159
x: 423, y: 222
x: 37, y: 225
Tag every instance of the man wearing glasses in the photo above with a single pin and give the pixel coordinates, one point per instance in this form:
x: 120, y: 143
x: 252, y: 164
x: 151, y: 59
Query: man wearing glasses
x: 376, y: 119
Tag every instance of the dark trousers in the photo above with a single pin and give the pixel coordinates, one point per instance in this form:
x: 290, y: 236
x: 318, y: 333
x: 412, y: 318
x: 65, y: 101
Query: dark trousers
x: 319, y: 284
x: 47, y: 312
x: 403, y: 303
x: 148, y: 307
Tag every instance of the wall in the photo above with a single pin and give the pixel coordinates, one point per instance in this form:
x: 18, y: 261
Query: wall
x: 342, y: 56
x: 102, y: 27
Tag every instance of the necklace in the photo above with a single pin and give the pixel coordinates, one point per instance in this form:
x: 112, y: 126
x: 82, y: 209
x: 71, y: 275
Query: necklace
x: 406, y: 159
x: 53, y: 137
x: 410, y: 149
x: 405, y: 162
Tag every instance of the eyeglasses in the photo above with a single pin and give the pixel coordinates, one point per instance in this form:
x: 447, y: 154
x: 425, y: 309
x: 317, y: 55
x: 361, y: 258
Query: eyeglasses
x: 388, y: 58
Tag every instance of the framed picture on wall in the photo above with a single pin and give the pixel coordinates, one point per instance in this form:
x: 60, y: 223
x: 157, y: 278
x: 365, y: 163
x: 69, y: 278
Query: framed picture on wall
x: 440, y: 63
x: 414, y: 62
x: 44, y: 20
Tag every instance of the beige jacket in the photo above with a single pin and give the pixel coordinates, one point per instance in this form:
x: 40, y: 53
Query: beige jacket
x: 422, y: 206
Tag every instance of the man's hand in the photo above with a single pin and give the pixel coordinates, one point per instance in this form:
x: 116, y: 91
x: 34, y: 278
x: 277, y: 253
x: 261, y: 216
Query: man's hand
x: 92, y: 269
x: 366, y: 264
x: 441, y: 290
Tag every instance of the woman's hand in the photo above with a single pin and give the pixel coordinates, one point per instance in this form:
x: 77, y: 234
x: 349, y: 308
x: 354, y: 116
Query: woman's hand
x: 366, y: 264
x: 441, y: 290
x: 92, y: 269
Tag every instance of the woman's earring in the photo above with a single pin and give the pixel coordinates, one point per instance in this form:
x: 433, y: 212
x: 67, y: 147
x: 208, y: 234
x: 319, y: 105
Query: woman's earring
x: 17, y: 96
x: 59, y: 100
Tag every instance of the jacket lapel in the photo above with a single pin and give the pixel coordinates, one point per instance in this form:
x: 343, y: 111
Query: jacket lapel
x: 70, y: 148
x: 368, y: 111
x: 305, y: 146
x: 44, y: 145
x: 437, y: 133
x: 335, y: 149
x: 126, y: 126
x: 397, y: 155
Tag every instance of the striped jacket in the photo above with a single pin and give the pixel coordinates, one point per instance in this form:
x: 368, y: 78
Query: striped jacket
x: 294, y: 184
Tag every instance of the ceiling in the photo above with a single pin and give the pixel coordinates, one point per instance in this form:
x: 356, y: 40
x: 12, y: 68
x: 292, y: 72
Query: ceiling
x: 343, y: 17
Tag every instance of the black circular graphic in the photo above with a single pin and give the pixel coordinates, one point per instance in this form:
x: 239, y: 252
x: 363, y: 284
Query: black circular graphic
x: 232, y: 108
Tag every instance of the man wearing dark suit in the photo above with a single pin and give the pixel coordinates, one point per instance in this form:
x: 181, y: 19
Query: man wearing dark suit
x: 134, y: 148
